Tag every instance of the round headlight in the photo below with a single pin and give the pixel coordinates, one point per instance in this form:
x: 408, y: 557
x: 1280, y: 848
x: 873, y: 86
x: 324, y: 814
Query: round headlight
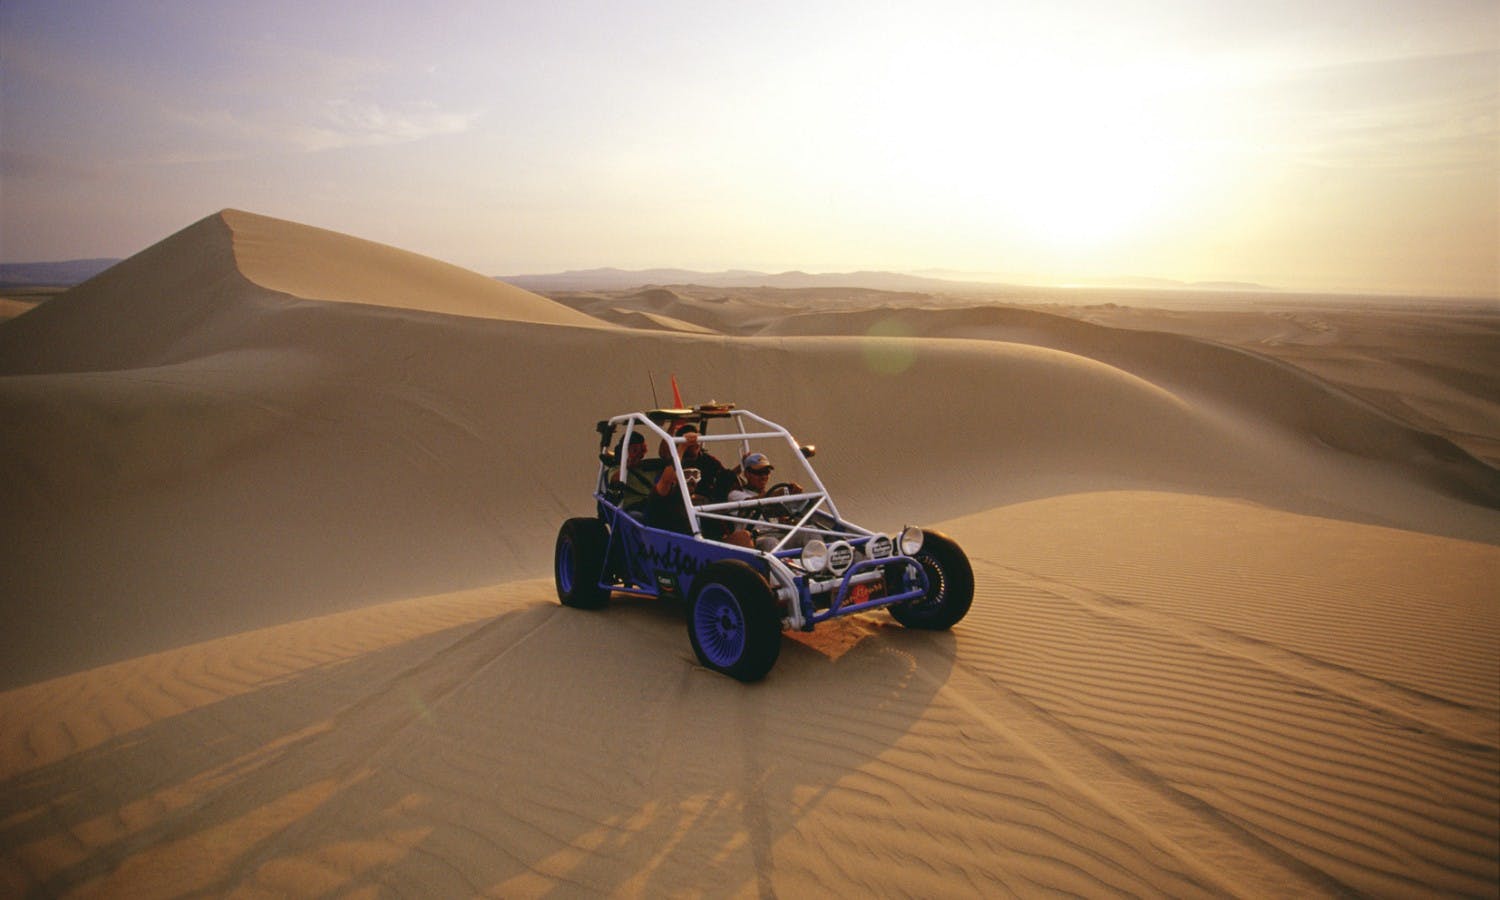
x: 815, y: 556
x: 879, y: 546
x: 840, y: 557
x: 911, y: 540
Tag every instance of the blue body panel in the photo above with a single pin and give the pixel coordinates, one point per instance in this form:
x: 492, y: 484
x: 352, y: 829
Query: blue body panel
x: 654, y: 562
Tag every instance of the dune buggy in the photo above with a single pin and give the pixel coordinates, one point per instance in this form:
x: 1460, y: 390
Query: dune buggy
x: 747, y: 567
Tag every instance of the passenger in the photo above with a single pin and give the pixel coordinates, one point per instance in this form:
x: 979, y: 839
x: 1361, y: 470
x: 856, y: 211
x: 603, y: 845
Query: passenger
x: 640, y: 478
x: 707, y: 481
x: 714, y: 479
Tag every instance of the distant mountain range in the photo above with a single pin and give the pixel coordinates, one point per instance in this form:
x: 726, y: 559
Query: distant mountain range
x: 76, y: 271
x: 610, y: 279
x: 61, y: 274
x: 623, y: 279
x: 1138, y: 281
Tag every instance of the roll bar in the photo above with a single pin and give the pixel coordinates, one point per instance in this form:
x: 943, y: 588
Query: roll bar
x: 747, y: 427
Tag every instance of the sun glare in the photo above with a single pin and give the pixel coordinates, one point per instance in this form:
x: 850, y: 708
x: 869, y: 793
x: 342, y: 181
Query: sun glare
x: 1070, y: 156
x: 1083, y: 179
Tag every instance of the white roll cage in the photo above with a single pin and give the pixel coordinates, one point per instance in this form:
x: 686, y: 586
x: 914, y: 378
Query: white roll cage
x: 748, y: 427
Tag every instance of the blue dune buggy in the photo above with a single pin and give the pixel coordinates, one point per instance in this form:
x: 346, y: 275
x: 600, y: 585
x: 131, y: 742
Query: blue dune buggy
x: 746, y: 567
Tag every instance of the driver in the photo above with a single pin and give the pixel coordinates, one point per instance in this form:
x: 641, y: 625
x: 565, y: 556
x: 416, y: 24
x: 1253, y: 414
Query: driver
x: 755, y: 471
x: 755, y: 475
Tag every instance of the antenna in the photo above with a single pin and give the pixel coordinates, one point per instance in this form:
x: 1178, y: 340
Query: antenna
x: 655, y: 403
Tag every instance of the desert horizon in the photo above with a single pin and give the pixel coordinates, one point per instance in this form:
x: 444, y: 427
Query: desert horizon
x: 281, y: 618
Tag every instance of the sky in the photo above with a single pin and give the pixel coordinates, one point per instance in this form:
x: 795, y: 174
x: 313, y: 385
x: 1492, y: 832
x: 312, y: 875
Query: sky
x: 1343, y: 145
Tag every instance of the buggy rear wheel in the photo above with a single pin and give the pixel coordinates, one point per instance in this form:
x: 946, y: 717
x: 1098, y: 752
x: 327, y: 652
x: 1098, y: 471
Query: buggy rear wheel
x: 578, y: 563
x: 950, y: 586
x: 733, y: 622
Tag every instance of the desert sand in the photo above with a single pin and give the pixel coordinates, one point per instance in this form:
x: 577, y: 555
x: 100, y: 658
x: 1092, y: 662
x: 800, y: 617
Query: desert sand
x: 279, y: 508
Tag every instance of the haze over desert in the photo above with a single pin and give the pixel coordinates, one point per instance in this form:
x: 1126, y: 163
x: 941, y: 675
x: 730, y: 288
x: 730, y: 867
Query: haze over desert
x: 280, y: 614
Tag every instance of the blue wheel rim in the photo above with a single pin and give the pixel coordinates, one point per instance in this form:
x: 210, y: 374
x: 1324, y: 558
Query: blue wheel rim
x: 565, y: 566
x: 719, y: 624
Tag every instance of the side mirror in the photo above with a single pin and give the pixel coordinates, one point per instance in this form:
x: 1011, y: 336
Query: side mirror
x: 808, y: 450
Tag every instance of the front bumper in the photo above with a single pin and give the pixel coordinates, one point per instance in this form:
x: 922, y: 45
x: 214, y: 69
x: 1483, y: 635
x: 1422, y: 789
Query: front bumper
x: 820, y: 599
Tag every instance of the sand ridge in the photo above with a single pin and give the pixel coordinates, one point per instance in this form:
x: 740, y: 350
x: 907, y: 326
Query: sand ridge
x: 317, y: 264
x: 281, y: 505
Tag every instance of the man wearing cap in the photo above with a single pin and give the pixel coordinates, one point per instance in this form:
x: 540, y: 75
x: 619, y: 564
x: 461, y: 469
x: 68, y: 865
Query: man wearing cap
x: 755, y: 472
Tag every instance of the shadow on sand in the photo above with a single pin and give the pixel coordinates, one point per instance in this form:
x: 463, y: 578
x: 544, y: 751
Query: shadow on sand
x: 547, y: 749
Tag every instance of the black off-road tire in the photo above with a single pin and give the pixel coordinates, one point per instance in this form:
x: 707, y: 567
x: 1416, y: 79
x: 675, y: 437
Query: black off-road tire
x: 578, y: 562
x: 950, y: 586
x: 733, y: 621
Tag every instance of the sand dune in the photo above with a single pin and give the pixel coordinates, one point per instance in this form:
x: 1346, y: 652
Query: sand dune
x: 717, y: 313
x: 1398, y: 357
x: 280, y: 506
x: 323, y: 265
x: 656, y: 321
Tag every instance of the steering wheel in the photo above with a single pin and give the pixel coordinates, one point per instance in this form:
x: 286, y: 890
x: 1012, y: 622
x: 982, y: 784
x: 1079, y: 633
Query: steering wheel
x: 786, y: 510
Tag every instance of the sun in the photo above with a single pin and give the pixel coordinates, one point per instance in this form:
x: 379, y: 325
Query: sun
x: 1070, y: 157
x: 1085, y: 181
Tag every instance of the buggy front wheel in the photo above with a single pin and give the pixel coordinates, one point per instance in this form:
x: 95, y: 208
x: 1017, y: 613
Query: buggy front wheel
x: 950, y: 586
x: 733, y: 622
